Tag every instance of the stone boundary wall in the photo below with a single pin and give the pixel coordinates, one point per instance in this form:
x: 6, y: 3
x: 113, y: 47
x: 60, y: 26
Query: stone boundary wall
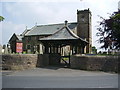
x: 26, y: 61
x: 19, y: 62
x: 95, y: 63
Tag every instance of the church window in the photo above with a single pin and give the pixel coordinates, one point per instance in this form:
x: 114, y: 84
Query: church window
x: 29, y: 38
x: 28, y: 46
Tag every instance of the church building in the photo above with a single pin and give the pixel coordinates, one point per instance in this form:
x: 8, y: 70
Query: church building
x: 64, y: 38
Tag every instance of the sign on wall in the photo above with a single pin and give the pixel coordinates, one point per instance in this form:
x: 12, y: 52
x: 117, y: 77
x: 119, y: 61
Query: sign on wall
x: 19, y: 47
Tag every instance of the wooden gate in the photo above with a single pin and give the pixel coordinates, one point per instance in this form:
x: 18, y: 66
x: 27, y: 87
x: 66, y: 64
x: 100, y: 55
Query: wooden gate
x: 65, y: 61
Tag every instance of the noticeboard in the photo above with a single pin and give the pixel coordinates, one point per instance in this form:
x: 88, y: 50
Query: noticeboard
x: 19, y: 47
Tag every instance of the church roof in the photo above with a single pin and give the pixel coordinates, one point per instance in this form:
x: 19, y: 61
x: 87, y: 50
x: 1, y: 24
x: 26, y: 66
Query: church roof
x: 48, y: 29
x: 25, y: 32
x: 15, y: 37
x: 63, y: 34
x: 19, y: 37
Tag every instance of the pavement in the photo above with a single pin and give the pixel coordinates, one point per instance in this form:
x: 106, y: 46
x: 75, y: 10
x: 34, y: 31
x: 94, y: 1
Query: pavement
x: 55, y: 71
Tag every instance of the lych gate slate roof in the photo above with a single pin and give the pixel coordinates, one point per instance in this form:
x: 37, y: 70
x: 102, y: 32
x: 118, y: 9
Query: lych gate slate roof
x: 63, y: 34
x: 48, y: 29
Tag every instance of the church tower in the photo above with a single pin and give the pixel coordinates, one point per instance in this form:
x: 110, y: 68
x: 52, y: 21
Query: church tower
x: 84, y: 27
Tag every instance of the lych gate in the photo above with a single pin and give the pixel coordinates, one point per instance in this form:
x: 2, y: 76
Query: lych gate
x: 64, y: 37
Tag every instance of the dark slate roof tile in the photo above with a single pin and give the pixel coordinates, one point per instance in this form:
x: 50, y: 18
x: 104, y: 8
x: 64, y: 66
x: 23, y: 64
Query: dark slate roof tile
x: 48, y: 29
x: 19, y: 37
x: 25, y: 32
x: 63, y: 34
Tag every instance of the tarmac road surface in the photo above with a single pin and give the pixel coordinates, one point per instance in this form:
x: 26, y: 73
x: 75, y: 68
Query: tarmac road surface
x: 54, y: 77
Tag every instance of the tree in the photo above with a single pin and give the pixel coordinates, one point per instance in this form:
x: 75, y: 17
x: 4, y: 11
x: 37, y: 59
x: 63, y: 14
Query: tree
x: 109, y: 31
x: 1, y: 18
x: 94, y: 50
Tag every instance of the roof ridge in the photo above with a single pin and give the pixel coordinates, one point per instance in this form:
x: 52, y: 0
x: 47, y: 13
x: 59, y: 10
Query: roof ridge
x: 31, y: 29
x: 55, y: 24
x: 24, y: 32
x: 49, y: 28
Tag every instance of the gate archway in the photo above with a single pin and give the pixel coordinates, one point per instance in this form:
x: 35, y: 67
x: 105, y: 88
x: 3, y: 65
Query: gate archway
x: 64, y: 37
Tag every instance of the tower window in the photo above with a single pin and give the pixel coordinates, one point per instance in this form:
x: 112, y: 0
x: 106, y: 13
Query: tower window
x: 83, y: 18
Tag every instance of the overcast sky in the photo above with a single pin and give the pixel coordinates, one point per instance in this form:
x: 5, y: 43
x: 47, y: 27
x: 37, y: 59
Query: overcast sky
x: 21, y: 13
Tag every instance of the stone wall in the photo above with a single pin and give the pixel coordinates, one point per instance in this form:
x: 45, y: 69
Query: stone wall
x: 101, y: 63
x: 19, y: 62
x: 26, y: 61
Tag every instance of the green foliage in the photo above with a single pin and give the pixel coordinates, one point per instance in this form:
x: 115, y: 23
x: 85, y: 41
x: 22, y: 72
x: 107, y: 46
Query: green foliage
x: 24, y: 52
x: 66, y: 58
x: 109, y: 31
x: 94, y: 50
x: 1, y: 18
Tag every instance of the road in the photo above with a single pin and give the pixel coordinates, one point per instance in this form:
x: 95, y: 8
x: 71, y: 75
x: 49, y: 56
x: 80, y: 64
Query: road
x: 59, y: 78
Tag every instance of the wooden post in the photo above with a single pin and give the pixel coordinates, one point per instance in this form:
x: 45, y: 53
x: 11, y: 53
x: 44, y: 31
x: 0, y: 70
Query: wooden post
x: 60, y: 49
x: 53, y: 49
x: 83, y: 46
x: 75, y: 49
x: 71, y: 49
x: 79, y: 49
x: 50, y: 49
x: 46, y: 49
x: 57, y: 49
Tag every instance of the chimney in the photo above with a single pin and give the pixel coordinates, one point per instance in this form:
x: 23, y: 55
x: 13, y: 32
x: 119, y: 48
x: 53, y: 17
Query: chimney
x: 66, y: 22
x: 26, y: 27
